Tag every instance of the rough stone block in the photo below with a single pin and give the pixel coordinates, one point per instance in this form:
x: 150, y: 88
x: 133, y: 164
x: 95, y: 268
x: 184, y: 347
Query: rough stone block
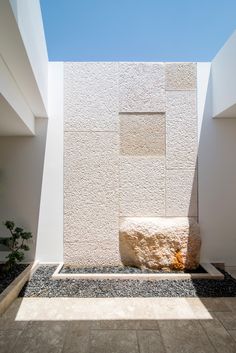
x: 181, y: 76
x: 160, y: 243
x: 181, y: 193
x: 91, y: 96
x: 142, y: 186
x: 142, y: 134
x: 91, y: 190
x: 181, y: 130
x: 141, y: 87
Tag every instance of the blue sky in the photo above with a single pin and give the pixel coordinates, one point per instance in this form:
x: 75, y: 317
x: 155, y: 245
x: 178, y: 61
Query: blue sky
x: 137, y: 30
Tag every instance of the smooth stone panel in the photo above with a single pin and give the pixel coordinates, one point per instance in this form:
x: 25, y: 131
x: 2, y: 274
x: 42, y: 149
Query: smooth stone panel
x: 228, y: 319
x: 8, y: 340
x: 184, y: 337
x: 181, y: 193
x: 91, y: 197
x: 181, y: 130
x: 47, y: 337
x: 142, y: 134
x: 124, y: 325
x: 216, y: 304
x: 113, y: 341
x: 233, y: 334
x: 77, y: 338
x: 219, y: 337
x: 230, y: 303
x: 181, y: 76
x: 142, y: 186
x: 91, y: 96
x: 141, y: 87
x: 150, y: 342
x: 111, y: 309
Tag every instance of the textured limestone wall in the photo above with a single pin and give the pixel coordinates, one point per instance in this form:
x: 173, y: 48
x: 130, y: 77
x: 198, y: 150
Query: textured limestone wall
x: 130, y: 147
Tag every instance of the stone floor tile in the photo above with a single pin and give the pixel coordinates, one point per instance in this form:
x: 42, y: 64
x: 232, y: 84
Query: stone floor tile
x: 8, y: 339
x: 228, y: 319
x: 77, y: 337
x: 113, y: 341
x: 230, y: 302
x: 124, y: 325
x: 179, y: 309
x: 215, y: 304
x: 233, y: 334
x: 43, y: 336
x: 12, y: 324
x: 219, y: 337
x: 184, y: 336
x: 8, y: 321
x: 150, y: 342
x: 200, y: 311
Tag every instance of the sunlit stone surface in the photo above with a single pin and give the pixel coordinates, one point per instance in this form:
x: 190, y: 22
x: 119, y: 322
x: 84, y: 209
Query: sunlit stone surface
x: 160, y: 243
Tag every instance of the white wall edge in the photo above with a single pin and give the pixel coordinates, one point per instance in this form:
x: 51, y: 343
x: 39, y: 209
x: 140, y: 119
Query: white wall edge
x: 49, y: 247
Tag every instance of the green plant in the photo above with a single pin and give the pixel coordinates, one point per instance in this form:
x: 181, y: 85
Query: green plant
x: 15, y: 244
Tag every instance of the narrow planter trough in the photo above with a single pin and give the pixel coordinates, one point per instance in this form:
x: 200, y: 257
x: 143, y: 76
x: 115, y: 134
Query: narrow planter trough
x: 10, y: 293
x: 208, y: 272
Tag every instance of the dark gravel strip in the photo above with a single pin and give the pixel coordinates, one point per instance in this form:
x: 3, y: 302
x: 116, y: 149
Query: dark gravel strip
x: 8, y: 277
x: 41, y: 285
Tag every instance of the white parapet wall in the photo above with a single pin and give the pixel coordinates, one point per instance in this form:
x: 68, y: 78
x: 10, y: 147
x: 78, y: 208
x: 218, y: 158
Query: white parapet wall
x: 223, y: 80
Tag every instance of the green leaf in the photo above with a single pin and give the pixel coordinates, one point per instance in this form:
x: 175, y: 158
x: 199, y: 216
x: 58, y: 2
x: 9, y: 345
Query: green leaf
x: 19, y: 230
x: 25, y: 247
x: 16, y: 235
x: 9, y: 224
x: 26, y: 235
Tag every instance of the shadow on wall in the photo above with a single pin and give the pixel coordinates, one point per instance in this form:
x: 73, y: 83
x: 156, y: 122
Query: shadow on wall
x: 21, y: 172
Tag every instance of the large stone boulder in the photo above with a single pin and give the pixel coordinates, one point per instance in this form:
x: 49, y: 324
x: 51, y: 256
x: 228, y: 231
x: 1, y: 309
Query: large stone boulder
x: 160, y: 243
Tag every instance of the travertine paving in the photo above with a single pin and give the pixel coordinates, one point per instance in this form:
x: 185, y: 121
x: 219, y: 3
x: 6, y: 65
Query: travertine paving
x: 119, y: 325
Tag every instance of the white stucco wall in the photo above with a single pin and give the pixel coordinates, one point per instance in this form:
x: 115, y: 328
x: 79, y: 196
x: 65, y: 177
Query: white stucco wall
x: 50, y: 228
x: 217, y: 175
x: 31, y: 178
x: 21, y: 170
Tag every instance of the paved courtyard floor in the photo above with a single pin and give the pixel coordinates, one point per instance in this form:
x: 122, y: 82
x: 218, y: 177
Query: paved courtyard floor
x: 119, y: 325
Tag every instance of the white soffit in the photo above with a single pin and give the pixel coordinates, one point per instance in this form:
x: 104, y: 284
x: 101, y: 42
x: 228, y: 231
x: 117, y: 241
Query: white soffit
x: 14, y: 55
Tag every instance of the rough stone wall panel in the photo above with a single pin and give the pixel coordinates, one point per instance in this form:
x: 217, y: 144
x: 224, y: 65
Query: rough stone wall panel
x: 181, y: 130
x: 91, y: 96
x: 130, y: 150
x: 181, y: 193
x: 142, y: 186
x: 91, y: 157
x: 141, y: 87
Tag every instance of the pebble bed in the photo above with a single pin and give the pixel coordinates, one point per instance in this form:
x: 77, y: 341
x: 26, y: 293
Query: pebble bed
x: 41, y: 285
x: 120, y: 269
x: 8, y: 277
